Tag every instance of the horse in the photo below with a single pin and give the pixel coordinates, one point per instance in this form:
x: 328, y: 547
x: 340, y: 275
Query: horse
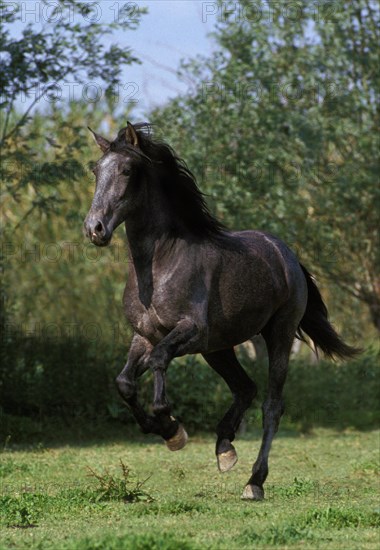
x: 196, y: 287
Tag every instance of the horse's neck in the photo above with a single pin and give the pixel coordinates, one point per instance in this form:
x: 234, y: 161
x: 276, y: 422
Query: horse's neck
x: 148, y: 250
x: 148, y: 228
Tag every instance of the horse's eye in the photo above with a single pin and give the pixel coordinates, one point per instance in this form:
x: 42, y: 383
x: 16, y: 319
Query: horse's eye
x: 126, y: 171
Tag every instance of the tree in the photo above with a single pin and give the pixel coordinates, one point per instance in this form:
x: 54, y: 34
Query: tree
x: 280, y: 129
x: 62, y: 49
x: 65, y: 286
x: 67, y: 44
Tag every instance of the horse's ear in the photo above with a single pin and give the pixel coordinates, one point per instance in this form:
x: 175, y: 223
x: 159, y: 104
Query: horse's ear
x: 131, y: 135
x: 103, y: 143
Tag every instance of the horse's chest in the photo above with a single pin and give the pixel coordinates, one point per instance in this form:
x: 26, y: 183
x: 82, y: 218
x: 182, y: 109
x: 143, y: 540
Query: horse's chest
x: 146, y: 314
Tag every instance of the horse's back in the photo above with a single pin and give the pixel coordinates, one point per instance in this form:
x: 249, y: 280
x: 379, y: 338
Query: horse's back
x: 257, y: 276
x: 266, y: 259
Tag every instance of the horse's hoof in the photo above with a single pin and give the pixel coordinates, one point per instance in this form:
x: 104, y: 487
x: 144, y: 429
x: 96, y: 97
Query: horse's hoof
x: 179, y: 440
x: 253, y: 492
x: 227, y: 460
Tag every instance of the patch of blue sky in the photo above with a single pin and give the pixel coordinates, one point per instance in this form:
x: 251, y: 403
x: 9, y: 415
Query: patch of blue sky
x: 171, y: 31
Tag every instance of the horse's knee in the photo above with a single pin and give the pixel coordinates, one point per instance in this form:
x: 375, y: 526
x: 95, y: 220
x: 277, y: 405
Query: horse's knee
x: 126, y: 388
x: 161, y: 407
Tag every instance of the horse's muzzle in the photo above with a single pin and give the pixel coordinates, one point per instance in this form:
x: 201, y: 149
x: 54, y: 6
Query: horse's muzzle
x: 97, y: 232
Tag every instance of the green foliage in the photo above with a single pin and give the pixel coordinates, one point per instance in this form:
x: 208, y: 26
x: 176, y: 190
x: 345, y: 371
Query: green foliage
x: 64, y: 377
x: 66, y: 288
x: 68, y: 48
x: 44, y: 172
x: 334, y: 395
x: 70, y: 43
x: 125, y: 488
x: 58, y: 382
x: 298, y: 488
x: 22, y: 511
x: 279, y: 128
x: 10, y: 467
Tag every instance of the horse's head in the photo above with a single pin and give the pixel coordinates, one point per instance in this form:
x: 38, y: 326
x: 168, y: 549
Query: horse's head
x: 115, y: 173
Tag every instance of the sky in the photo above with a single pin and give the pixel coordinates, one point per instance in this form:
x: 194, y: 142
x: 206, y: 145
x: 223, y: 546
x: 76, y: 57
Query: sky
x: 171, y: 31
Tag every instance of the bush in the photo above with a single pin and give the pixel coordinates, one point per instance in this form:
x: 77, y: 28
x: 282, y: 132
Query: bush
x: 68, y: 379
x: 42, y: 377
x: 334, y: 395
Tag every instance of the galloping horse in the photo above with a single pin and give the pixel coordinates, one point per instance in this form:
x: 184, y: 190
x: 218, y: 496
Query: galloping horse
x: 195, y: 287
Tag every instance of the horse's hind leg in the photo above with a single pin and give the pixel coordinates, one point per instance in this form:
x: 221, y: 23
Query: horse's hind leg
x: 244, y: 390
x: 279, y: 338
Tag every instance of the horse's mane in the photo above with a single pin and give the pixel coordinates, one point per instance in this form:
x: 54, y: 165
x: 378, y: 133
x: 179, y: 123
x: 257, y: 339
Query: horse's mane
x: 178, y: 183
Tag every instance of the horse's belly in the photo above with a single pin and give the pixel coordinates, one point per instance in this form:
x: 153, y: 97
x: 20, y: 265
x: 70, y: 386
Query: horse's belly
x: 243, y: 301
x: 233, y: 330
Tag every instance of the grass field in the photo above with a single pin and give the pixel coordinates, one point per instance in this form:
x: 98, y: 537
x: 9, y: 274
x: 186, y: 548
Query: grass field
x: 322, y: 492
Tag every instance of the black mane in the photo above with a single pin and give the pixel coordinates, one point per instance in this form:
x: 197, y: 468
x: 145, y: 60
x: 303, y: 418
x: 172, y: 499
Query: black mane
x: 178, y: 183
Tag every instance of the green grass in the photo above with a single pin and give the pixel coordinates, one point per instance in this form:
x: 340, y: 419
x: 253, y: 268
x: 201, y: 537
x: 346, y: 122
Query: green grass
x: 322, y: 492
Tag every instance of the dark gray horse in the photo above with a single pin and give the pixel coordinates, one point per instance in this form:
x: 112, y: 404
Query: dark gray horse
x: 195, y: 287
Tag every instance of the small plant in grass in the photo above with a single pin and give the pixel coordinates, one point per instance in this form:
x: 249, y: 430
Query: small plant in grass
x: 178, y: 473
x: 8, y: 467
x: 22, y: 511
x: 157, y: 540
x: 126, y: 488
x: 298, y: 488
x: 368, y: 467
x: 276, y: 535
x: 340, y: 518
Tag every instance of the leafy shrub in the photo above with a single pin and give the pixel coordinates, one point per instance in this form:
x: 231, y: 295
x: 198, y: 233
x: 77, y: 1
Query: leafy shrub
x: 125, y: 488
x: 67, y: 379
x: 45, y: 377
x: 22, y: 511
x: 334, y: 395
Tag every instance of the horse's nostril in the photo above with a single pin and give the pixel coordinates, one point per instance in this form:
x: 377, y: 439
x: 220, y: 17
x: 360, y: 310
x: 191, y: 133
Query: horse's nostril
x: 99, y: 227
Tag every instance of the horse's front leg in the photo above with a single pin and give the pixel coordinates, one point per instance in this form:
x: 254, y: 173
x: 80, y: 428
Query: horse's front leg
x: 186, y: 337
x: 126, y: 382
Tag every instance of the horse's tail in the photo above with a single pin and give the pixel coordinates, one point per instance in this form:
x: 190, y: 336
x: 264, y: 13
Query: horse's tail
x: 316, y: 325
